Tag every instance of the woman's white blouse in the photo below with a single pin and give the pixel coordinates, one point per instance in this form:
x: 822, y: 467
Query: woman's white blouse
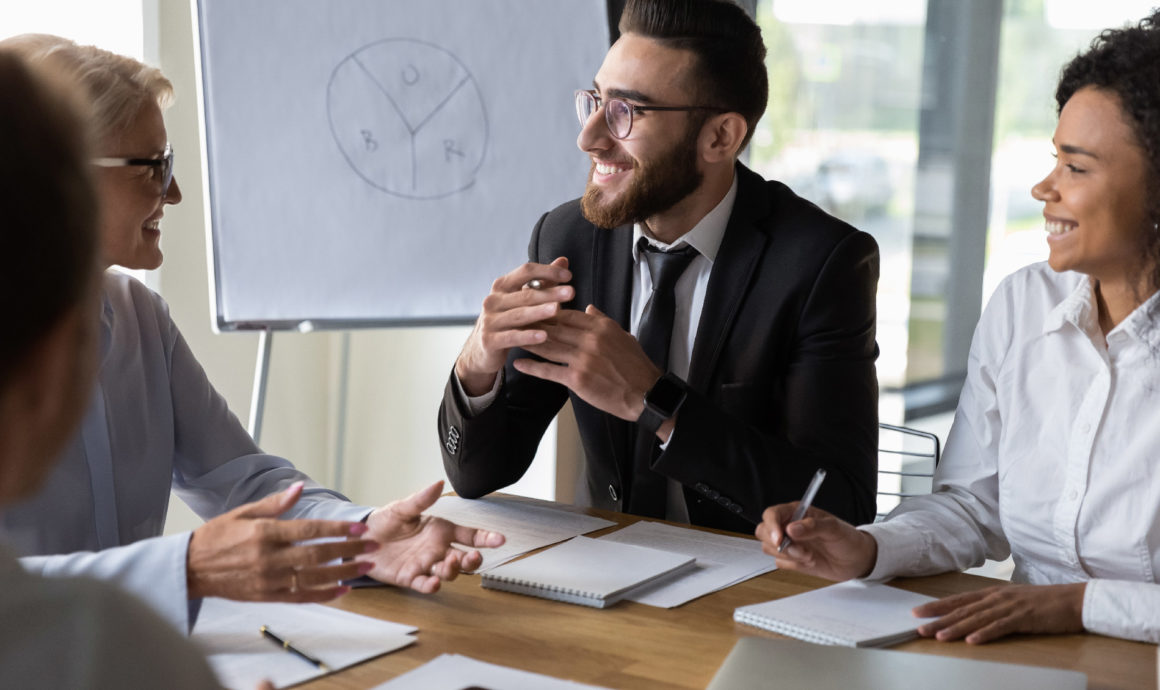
x: 1053, y: 458
x: 154, y: 423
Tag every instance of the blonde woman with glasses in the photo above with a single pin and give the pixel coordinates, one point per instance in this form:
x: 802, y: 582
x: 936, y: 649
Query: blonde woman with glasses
x: 155, y: 422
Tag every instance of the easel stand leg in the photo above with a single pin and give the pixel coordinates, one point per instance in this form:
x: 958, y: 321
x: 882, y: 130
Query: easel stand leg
x: 261, y: 373
x: 340, y: 421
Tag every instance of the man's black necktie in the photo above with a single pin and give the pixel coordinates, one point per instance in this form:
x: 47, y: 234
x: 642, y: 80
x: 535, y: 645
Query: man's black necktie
x: 647, y: 496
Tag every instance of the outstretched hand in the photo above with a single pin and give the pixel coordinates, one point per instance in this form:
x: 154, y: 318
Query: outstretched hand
x: 416, y: 550
x: 249, y: 554
x: 995, y: 612
x: 822, y: 544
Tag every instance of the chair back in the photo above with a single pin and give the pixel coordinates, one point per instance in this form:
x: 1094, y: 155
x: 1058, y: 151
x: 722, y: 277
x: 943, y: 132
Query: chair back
x: 906, y: 462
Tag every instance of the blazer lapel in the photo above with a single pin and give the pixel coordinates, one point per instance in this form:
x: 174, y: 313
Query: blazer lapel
x: 737, y: 258
x: 612, y: 294
x: 612, y: 273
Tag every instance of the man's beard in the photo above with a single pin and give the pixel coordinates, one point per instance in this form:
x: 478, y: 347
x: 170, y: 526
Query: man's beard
x: 658, y: 185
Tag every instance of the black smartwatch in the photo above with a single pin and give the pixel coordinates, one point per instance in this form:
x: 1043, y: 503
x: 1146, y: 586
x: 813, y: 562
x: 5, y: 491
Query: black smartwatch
x: 662, y: 402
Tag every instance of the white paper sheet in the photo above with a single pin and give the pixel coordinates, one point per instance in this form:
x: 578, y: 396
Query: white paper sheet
x: 228, y: 632
x: 722, y: 561
x: 526, y: 526
x: 456, y: 672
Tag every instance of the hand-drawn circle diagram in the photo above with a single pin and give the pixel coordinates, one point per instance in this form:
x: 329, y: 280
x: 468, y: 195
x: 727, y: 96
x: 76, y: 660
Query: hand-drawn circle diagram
x: 409, y: 118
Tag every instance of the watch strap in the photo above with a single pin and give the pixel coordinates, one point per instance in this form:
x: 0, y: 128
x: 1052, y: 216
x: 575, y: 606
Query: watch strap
x: 661, y: 402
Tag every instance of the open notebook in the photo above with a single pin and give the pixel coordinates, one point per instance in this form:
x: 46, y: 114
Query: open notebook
x: 590, y: 572
x: 853, y: 614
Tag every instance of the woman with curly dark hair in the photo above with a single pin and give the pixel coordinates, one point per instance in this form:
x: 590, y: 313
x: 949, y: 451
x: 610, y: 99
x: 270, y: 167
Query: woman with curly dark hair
x: 1052, y: 456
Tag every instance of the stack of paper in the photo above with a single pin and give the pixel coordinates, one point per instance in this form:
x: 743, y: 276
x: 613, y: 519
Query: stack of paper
x: 526, y: 526
x: 229, y: 634
x: 722, y: 561
x: 455, y: 672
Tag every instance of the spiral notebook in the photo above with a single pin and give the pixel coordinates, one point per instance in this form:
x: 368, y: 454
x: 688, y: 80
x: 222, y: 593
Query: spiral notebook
x: 589, y: 572
x: 851, y: 614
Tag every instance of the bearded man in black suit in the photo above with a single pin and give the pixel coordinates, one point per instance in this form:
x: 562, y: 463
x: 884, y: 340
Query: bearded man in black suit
x: 714, y: 331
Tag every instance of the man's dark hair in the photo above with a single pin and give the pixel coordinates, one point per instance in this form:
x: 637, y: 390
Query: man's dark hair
x: 47, y: 211
x: 730, y: 71
x: 1126, y: 62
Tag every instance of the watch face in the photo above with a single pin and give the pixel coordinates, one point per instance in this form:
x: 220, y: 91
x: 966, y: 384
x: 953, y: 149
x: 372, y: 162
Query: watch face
x: 666, y: 396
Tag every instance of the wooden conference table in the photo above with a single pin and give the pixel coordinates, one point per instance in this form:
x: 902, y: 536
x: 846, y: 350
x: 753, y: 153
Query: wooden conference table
x: 634, y: 646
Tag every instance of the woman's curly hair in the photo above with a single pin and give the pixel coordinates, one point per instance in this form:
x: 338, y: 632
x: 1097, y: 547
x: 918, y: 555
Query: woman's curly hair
x: 1126, y: 62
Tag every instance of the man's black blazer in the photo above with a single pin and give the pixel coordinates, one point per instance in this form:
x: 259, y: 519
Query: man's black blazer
x: 781, y: 381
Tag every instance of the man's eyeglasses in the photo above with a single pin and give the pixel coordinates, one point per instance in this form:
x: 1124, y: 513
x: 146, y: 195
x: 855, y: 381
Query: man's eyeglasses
x: 618, y: 113
x: 162, y: 167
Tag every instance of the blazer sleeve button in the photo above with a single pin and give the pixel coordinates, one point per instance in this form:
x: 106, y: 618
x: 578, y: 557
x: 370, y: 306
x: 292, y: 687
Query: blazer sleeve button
x: 452, y: 441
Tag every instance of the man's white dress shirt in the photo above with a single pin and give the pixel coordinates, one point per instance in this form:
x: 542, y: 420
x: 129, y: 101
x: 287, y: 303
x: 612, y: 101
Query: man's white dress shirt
x: 1053, y: 458
x: 154, y: 423
x: 689, y: 292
